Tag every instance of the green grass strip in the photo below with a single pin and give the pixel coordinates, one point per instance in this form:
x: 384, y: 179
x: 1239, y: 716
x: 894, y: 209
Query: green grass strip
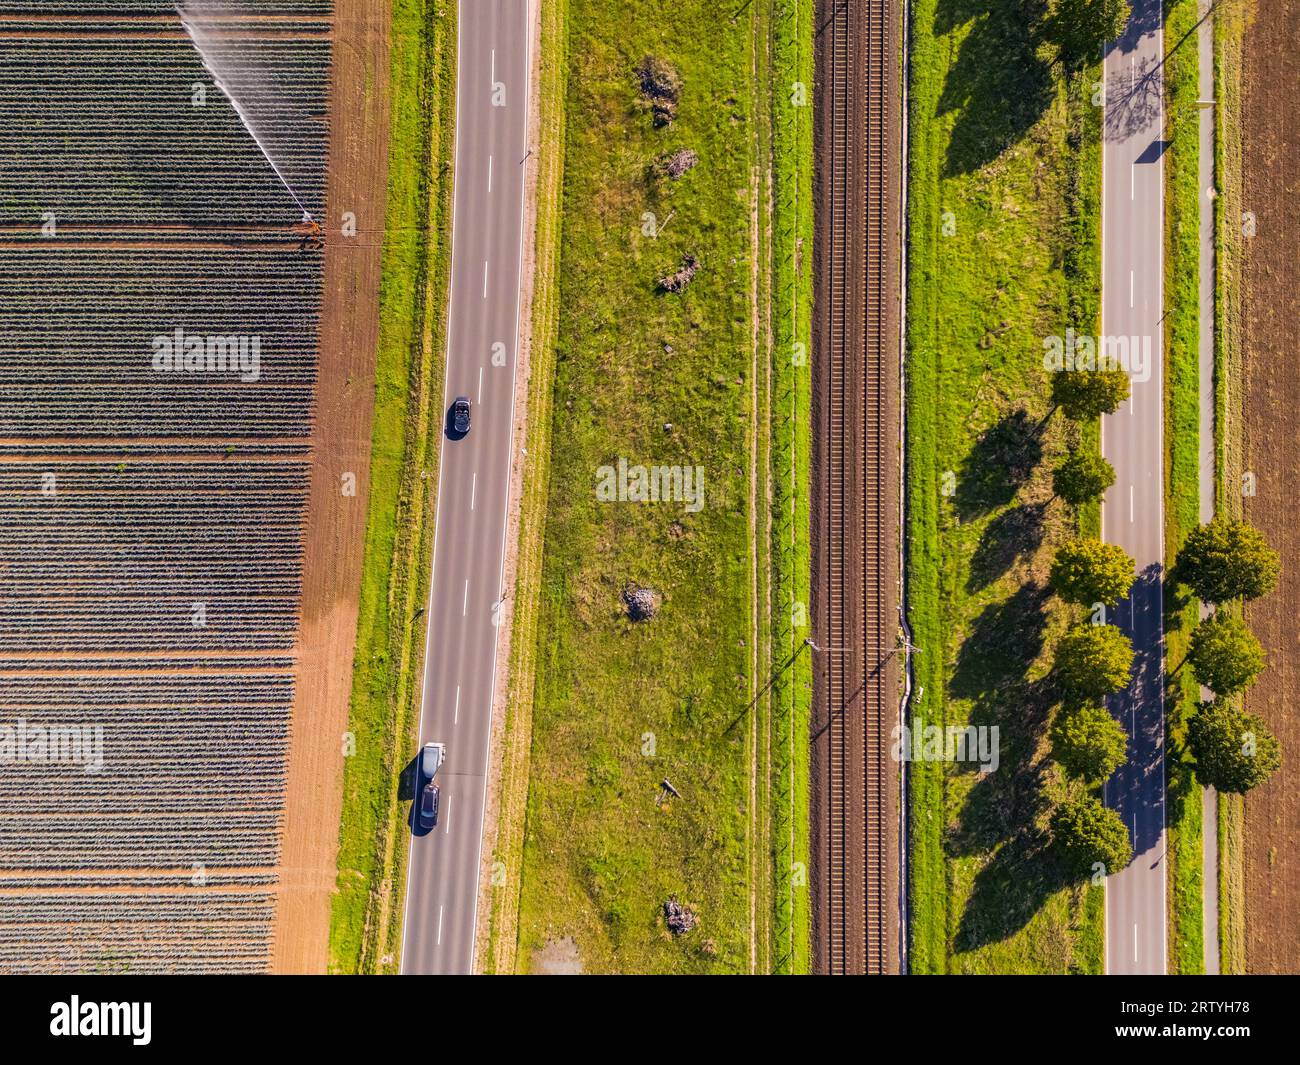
x: 365, y: 925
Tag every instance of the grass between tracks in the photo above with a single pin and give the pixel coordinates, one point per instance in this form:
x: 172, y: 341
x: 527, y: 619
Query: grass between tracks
x: 1004, y: 229
x: 1182, y: 472
x: 657, y: 379
x: 365, y: 926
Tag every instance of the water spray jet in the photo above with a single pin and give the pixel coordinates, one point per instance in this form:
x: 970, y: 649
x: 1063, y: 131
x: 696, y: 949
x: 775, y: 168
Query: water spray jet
x: 198, y: 38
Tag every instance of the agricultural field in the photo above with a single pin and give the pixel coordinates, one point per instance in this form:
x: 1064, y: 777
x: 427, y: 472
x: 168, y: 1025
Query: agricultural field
x: 124, y: 138
x: 154, y: 522
x: 79, y: 319
x: 1269, y: 404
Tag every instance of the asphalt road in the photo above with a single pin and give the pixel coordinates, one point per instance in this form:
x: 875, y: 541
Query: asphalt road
x: 1132, y: 439
x: 474, y: 478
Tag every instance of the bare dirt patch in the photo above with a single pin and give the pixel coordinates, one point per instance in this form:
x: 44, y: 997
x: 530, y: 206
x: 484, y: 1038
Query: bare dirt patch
x: 336, y: 521
x: 1271, y: 307
x: 559, y: 957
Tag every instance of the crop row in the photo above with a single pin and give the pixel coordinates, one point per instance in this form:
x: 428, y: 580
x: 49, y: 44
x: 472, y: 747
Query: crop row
x: 98, y: 555
x: 157, y: 449
x: 34, y: 882
x: 243, y: 839
x: 156, y: 907
x: 127, y: 26
x: 73, y: 319
x: 13, y: 668
x: 216, y: 480
x: 173, y: 407
x: 135, y: 624
x: 205, y: 696
x: 138, y: 956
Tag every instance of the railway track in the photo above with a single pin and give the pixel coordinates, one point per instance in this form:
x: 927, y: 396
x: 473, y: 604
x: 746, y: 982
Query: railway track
x: 856, y: 386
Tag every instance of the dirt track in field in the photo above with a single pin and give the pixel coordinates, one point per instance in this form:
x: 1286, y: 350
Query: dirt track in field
x: 1271, y: 311
x: 336, y: 522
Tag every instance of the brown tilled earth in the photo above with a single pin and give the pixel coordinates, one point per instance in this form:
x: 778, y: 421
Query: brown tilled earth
x: 341, y: 446
x: 1271, y: 317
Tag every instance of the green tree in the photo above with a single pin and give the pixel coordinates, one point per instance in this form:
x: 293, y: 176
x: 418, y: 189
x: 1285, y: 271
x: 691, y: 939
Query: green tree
x: 1085, y: 394
x: 1227, y: 559
x: 1081, y: 27
x: 1092, y: 661
x: 1089, y: 571
x: 1088, y: 742
x: 1083, y: 477
x: 1234, y: 750
x: 1225, y: 655
x: 1089, y: 834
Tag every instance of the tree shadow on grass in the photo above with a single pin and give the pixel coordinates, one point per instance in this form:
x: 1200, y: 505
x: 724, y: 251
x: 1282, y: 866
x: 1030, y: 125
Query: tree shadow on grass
x: 1001, y: 815
x: 1006, y: 794
x: 1003, y: 808
x: 999, y: 465
x: 999, y: 85
x: 1012, y: 535
x: 1004, y: 642
x: 1025, y: 872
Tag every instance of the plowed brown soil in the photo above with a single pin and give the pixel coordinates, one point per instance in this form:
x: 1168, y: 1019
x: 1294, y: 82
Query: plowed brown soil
x: 340, y: 446
x: 1271, y: 318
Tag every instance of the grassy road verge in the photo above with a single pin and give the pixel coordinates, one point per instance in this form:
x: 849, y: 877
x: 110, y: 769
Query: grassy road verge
x: 653, y: 378
x: 365, y: 927
x: 502, y: 954
x: 1182, y: 473
x: 1004, y: 230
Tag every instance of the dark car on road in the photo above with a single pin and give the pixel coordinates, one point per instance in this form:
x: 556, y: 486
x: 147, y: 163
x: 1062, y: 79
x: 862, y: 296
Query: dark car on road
x: 432, y: 755
x: 460, y: 416
x: 429, y: 797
